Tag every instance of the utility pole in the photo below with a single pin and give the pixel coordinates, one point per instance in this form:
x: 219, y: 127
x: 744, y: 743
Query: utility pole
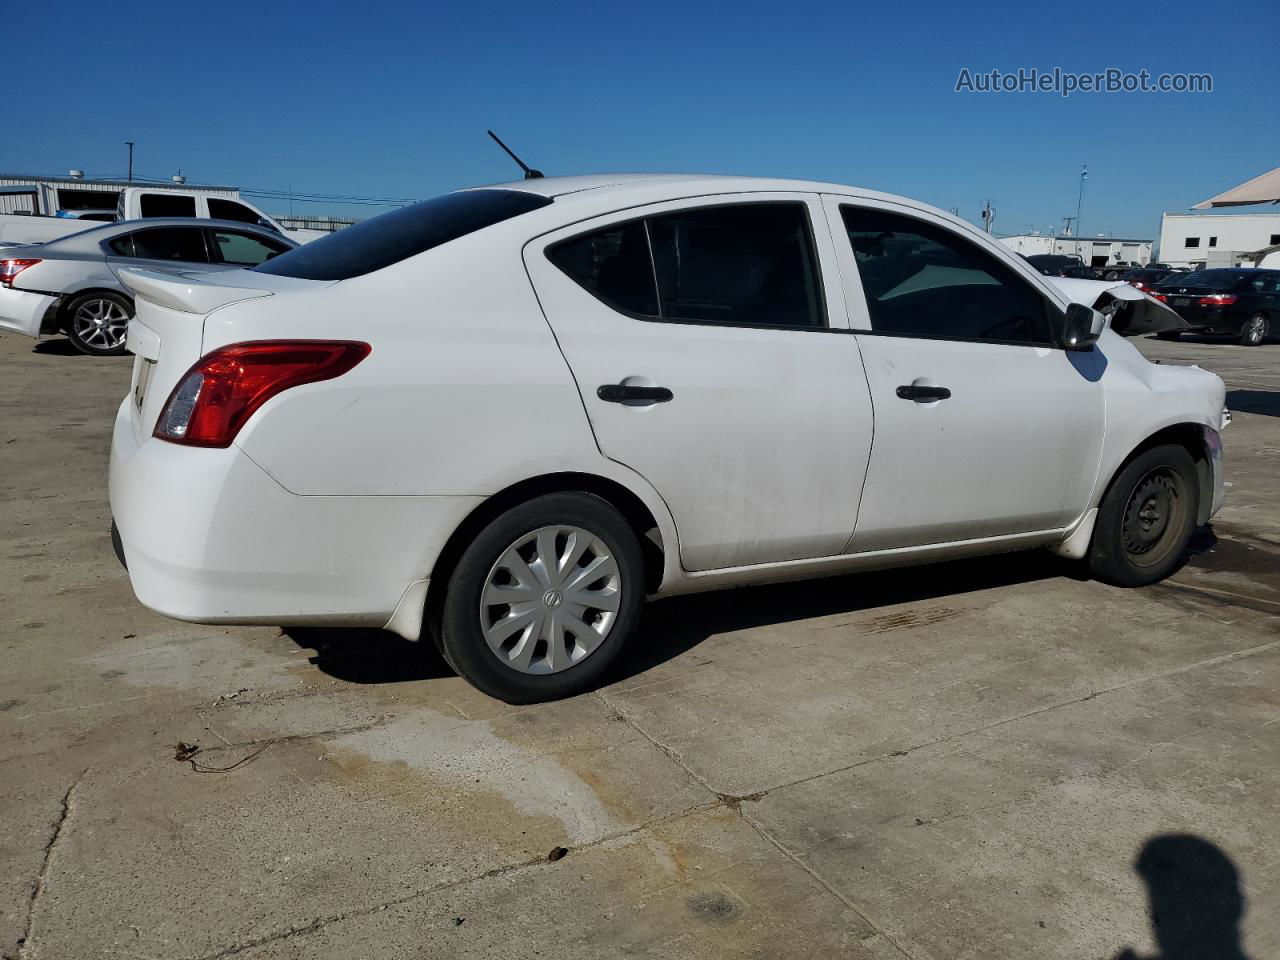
x: 988, y: 216
x: 1079, y: 197
x: 129, y: 144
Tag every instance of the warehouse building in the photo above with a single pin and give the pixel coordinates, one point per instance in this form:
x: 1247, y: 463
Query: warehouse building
x: 1095, y: 251
x: 1216, y: 239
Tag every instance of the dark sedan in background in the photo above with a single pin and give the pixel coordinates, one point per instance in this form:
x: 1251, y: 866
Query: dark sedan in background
x: 1243, y: 303
x: 1058, y: 265
x: 1144, y: 278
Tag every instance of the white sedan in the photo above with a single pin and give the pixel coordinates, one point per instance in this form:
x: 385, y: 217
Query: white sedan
x: 506, y: 416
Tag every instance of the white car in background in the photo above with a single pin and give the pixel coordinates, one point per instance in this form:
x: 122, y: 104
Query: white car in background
x: 72, y: 285
x: 508, y: 415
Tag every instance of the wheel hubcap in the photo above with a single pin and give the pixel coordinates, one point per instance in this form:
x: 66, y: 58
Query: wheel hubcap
x: 550, y: 600
x: 1257, y: 327
x: 101, y: 323
x: 1150, y: 515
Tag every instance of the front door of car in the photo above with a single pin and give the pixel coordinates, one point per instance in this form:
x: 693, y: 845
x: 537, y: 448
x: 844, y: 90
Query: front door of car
x: 710, y: 344
x: 983, y: 427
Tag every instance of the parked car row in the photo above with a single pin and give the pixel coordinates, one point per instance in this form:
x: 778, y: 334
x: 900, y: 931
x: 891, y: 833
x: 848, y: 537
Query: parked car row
x: 72, y: 285
x: 504, y: 417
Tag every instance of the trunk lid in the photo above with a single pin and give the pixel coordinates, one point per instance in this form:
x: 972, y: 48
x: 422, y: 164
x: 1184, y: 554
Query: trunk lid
x: 166, y: 334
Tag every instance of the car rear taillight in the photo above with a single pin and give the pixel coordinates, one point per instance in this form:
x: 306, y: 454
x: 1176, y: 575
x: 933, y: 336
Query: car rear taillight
x: 11, y: 268
x: 1159, y: 296
x: 222, y: 389
x: 1218, y: 300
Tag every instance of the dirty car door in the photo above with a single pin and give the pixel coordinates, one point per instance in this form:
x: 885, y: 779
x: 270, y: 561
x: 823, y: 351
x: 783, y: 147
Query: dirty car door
x: 709, y: 342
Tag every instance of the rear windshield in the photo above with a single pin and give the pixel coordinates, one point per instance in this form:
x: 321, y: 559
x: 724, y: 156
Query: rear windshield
x: 400, y: 234
x: 1225, y: 279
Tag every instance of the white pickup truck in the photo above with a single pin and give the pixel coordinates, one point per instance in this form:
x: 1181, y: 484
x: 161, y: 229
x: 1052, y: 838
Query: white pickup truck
x: 137, y: 203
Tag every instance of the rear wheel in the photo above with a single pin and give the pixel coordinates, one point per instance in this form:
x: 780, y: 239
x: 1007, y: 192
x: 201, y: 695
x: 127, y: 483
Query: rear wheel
x: 544, y: 599
x: 1146, y: 518
x: 1254, y: 330
x: 97, y: 323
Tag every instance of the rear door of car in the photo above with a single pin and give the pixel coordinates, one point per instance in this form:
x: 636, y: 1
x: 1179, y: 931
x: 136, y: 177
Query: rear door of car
x: 983, y: 427
x: 162, y: 248
x: 710, y: 344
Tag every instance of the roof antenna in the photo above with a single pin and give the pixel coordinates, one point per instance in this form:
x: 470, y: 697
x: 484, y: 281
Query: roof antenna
x: 529, y: 172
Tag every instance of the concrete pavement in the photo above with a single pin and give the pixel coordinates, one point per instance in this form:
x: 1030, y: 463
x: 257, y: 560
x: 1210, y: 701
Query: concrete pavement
x: 954, y: 761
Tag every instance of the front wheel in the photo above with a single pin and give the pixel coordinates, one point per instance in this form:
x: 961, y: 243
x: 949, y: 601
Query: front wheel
x: 1254, y: 330
x: 1145, y: 519
x: 98, y: 323
x: 544, y: 599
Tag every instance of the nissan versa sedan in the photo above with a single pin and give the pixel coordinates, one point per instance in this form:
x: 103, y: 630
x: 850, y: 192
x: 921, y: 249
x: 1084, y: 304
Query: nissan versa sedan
x: 72, y: 285
x: 505, y: 417
x: 1242, y: 303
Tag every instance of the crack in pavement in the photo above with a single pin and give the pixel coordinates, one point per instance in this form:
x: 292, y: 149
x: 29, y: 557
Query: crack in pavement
x: 37, y: 888
x: 318, y: 923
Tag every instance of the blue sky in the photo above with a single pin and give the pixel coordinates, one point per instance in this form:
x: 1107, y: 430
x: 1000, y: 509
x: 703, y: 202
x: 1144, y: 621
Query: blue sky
x: 390, y: 99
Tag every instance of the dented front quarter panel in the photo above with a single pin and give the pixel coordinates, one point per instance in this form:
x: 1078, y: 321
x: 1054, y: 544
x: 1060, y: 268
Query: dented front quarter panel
x: 1143, y: 398
x: 1129, y: 311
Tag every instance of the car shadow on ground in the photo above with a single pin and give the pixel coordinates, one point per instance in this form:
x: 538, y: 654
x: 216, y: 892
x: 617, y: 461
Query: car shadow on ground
x: 1265, y: 402
x: 57, y: 348
x: 672, y: 627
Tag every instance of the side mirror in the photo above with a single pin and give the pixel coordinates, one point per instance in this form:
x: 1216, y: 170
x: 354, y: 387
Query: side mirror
x: 1081, y: 327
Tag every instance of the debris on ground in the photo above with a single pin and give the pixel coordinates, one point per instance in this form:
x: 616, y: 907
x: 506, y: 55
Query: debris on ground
x: 557, y: 853
x: 185, y: 751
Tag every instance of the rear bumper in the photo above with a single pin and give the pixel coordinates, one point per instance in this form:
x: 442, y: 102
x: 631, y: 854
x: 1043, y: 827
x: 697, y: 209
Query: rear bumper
x: 1215, y: 321
x: 22, y: 311
x: 209, y: 537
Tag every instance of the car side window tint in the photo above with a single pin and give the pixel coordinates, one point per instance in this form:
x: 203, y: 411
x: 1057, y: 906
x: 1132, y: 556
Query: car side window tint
x: 166, y: 205
x: 122, y: 246
x: 923, y: 280
x: 243, y: 249
x: 230, y: 210
x: 614, y: 264
x: 185, y: 244
x: 743, y: 264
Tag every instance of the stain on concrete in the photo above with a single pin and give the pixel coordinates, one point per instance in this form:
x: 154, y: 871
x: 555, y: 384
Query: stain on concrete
x: 712, y: 907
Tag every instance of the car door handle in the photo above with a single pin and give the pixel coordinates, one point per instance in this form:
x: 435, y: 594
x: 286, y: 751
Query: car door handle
x: 625, y: 392
x: 923, y: 393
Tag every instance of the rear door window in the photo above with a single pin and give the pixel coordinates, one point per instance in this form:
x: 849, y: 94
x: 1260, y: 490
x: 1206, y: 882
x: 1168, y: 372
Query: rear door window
x: 243, y: 249
x: 184, y: 244
x: 401, y: 234
x: 749, y: 264
x: 166, y: 205
x: 230, y: 210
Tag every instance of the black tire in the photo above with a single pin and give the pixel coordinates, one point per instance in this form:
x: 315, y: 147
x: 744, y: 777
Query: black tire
x: 1168, y: 334
x: 461, y: 633
x: 105, y: 339
x: 1146, y: 518
x: 1255, y: 330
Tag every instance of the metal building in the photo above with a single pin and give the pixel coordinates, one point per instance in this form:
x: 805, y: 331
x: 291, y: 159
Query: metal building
x: 24, y: 193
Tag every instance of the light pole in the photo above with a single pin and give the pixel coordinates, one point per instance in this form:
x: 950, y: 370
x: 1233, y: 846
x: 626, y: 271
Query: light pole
x: 129, y: 144
x: 1084, y: 175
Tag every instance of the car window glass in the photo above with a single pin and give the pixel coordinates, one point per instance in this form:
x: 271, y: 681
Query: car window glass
x: 230, y: 210
x: 171, y: 243
x: 242, y: 249
x: 166, y: 205
x: 122, y: 246
x: 742, y: 264
x: 613, y: 264
x: 926, y: 281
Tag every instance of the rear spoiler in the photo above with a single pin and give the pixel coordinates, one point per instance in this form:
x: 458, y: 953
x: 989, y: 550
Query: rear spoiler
x: 184, y: 292
x: 1130, y: 311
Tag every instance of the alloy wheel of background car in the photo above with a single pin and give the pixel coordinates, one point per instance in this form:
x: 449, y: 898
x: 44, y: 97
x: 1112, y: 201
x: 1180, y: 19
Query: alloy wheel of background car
x: 98, y: 324
x: 550, y: 600
x: 1145, y: 519
x: 544, y: 598
x: 1254, y: 330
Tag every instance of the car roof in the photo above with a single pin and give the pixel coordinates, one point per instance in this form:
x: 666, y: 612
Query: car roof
x: 87, y: 241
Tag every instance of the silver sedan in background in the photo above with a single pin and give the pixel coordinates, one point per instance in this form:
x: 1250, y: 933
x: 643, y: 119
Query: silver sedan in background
x: 71, y: 285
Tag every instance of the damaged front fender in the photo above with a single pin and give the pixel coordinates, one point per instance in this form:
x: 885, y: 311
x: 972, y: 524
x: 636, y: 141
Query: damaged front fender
x: 1129, y: 311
